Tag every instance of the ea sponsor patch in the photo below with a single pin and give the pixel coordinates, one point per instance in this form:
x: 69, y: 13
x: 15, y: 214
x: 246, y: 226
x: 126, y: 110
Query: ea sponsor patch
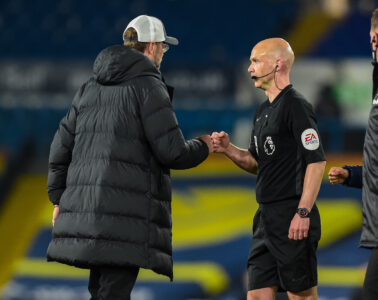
x: 310, y: 139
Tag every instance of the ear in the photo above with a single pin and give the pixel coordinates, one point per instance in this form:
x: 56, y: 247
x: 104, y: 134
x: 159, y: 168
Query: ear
x: 149, y: 49
x: 278, y: 65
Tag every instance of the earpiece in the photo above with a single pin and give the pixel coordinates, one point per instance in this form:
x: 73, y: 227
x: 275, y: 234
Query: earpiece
x: 277, y: 65
x: 373, y: 41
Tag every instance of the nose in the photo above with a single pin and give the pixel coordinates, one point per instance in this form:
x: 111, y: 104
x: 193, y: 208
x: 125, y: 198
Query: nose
x: 250, y: 68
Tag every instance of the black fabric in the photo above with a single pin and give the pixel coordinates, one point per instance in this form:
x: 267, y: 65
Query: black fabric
x: 109, y: 167
x: 355, y: 176
x: 112, y: 283
x: 370, y: 288
x: 284, y: 141
x: 375, y: 80
x: 274, y: 259
x: 369, y: 235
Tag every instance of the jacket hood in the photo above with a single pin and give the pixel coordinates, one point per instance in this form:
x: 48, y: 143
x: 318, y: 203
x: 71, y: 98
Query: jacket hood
x: 117, y: 64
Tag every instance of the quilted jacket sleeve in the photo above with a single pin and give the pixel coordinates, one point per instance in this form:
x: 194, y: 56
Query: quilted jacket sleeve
x: 61, y: 152
x: 163, y: 134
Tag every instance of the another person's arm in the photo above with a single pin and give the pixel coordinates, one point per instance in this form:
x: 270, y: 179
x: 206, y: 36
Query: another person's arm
x: 313, y: 178
x: 347, y: 175
x: 60, y: 156
x: 164, y: 135
x: 241, y: 157
x: 301, y: 121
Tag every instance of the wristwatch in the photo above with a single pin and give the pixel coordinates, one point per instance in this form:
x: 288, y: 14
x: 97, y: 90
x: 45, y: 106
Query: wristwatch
x: 303, y: 212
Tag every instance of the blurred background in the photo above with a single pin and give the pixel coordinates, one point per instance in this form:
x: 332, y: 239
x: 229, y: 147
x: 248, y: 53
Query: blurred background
x: 46, y: 52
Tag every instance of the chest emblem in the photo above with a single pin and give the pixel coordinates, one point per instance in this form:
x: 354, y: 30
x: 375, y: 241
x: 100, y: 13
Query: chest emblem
x: 310, y: 139
x: 269, y: 146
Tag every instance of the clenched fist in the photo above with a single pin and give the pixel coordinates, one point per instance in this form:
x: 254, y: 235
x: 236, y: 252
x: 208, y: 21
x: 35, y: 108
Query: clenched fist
x: 337, y: 175
x: 221, y: 141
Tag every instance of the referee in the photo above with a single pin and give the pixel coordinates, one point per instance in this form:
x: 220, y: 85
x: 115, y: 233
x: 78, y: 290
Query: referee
x: 286, y: 154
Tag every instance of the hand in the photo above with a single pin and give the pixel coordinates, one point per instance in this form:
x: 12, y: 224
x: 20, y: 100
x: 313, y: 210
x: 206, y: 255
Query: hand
x: 55, y: 214
x: 337, y: 175
x: 209, y: 142
x: 221, y: 141
x: 299, y: 228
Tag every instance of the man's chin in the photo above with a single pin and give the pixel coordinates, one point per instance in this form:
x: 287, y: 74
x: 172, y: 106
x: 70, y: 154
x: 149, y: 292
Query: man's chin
x: 257, y: 83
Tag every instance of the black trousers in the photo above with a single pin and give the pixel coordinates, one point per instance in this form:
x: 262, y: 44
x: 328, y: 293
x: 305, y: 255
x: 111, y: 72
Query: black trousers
x: 370, y: 290
x: 107, y: 283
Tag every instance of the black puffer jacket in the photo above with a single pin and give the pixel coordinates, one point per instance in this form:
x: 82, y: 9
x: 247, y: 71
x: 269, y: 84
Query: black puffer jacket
x: 109, y: 167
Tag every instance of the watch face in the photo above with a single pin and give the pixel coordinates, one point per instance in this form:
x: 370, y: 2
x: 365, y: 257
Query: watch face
x: 302, y: 212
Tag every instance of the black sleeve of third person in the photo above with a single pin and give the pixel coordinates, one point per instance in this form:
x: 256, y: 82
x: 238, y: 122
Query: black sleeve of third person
x: 302, y: 123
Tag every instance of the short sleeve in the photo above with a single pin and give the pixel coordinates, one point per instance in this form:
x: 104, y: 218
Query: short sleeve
x: 302, y: 123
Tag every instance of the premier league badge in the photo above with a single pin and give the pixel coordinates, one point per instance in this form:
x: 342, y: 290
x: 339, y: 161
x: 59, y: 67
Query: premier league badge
x: 269, y: 146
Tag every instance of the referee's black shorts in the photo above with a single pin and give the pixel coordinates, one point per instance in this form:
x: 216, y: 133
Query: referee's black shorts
x: 274, y: 259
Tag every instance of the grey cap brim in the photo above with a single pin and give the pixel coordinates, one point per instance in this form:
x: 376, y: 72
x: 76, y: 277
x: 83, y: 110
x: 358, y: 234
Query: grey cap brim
x: 171, y: 40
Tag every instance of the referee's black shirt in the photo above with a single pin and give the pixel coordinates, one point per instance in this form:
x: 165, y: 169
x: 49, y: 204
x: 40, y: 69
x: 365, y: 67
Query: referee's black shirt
x: 284, y: 141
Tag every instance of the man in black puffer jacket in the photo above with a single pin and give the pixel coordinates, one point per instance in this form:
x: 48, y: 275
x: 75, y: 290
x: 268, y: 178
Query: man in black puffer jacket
x: 109, y: 166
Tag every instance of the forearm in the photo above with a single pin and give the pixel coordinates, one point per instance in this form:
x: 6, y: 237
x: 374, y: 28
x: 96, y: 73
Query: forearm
x: 311, y: 185
x: 242, y: 158
x: 192, y: 154
x: 56, y: 182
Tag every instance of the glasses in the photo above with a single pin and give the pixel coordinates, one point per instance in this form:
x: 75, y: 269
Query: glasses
x: 165, y: 47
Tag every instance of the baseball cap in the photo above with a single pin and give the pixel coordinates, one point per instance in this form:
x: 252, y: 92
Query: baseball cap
x: 150, y: 29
